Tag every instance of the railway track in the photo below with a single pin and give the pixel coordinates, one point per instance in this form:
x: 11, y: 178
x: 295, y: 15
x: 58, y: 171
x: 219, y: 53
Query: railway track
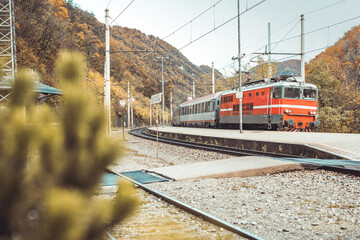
x: 194, y: 211
x: 329, y: 165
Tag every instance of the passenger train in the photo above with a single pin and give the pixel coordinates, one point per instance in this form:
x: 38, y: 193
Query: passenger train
x: 278, y: 103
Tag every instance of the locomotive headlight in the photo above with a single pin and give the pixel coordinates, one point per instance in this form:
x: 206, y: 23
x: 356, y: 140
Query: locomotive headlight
x: 312, y: 112
x: 288, y: 110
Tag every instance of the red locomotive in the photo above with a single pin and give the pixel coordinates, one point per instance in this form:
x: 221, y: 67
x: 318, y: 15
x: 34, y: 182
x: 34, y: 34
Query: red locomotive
x: 280, y: 103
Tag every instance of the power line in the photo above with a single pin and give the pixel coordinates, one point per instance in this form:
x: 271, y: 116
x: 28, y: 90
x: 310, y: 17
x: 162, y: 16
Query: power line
x: 122, y: 11
x: 322, y: 48
x: 310, y: 32
x: 215, y: 28
x: 316, y: 10
x: 190, y: 22
x: 284, y: 36
x: 319, y: 29
x: 291, y: 21
x: 108, y: 4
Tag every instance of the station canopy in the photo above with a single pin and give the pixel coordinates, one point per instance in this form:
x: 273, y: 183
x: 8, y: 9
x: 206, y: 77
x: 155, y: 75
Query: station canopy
x: 40, y: 88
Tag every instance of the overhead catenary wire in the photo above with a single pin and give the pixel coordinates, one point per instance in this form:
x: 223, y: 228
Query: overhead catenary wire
x: 108, y: 4
x: 190, y: 22
x: 295, y: 19
x: 284, y: 36
x: 221, y: 25
x: 121, y: 12
x: 321, y: 48
x: 297, y: 36
x: 317, y: 30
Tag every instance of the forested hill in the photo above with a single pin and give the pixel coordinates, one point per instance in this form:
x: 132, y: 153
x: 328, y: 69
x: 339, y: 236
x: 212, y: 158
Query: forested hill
x: 336, y: 72
x: 44, y: 27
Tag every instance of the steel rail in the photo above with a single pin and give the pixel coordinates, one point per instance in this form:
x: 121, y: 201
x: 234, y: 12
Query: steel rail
x: 240, y: 152
x: 194, y: 211
x: 222, y: 149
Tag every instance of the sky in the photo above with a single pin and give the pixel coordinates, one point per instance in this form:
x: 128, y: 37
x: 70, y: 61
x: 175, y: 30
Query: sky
x: 162, y: 17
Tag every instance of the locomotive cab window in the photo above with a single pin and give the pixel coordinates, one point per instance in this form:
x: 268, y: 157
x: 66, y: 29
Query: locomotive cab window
x: 292, y: 92
x: 309, y: 94
x: 277, y: 92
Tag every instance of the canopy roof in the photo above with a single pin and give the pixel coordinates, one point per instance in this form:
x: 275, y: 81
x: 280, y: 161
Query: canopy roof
x: 38, y: 87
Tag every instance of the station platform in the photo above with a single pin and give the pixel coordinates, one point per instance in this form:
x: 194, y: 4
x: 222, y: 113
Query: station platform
x: 341, y: 145
x: 231, y: 167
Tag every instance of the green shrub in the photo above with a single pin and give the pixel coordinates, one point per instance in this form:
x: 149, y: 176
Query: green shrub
x: 49, y: 172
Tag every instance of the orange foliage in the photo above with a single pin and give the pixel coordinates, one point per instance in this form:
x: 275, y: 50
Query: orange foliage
x: 343, y: 62
x: 59, y: 9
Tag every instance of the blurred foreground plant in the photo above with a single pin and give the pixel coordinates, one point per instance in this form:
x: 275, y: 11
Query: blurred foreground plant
x: 48, y: 173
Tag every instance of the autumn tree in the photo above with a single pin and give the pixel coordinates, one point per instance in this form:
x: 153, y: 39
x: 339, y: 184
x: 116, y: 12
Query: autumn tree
x: 261, y: 71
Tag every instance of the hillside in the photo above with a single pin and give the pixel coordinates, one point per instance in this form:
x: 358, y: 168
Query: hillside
x: 291, y: 65
x: 336, y: 72
x: 44, y: 27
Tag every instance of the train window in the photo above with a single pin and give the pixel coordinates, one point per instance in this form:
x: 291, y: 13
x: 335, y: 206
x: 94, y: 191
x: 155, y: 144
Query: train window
x: 236, y: 108
x: 292, y: 93
x: 309, y: 94
x: 277, y: 92
x: 257, y: 93
x: 249, y: 94
x: 262, y: 93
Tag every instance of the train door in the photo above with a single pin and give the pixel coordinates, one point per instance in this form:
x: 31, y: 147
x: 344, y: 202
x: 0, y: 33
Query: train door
x: 269, y: 107
x: 217, y: 106
x: 275, y: 98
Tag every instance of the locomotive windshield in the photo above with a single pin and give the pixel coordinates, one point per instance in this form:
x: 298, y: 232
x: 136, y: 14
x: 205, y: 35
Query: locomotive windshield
x: 309, y: 94
x: 292, y: 92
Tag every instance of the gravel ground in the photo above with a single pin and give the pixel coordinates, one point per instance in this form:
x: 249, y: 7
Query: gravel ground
x: 295, y: 205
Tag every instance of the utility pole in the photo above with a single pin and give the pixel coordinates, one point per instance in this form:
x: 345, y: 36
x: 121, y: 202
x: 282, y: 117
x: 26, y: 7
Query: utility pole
x: 171, y: 110
x: 132, y: 112
x: 162, y: 88
x: 213, y: 78
x: 128, y: 100
x: 150, y: 114
x: 239, y: 59
x: 302, y: 48
x: 193, y: 89
x: 269, y: 51
x: 107, y: 102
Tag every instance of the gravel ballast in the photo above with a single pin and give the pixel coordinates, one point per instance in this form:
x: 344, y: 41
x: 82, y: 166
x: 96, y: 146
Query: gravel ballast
x: 294, y: 205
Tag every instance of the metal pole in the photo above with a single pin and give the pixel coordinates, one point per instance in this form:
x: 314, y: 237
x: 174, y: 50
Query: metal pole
x: 171, y: 110
x: 132, y: 114
x: 213, y: 78
x: 193, y: 89
x: 123, y: 127
x: 239, y: 59
x: 107, y: 102
x: 150, y: 114
x: 163, y: 94
x: 128, y: 111
x: 302, y: 48
x: 269, y: 55
x: 157, y: 131
x: 163, y: 88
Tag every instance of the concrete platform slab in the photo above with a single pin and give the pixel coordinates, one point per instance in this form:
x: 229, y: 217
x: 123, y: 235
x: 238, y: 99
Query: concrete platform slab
x: 231, y: 167
x: 343, y: 145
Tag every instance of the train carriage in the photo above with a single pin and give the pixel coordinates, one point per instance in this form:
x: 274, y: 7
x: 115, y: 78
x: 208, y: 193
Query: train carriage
x: 203, y: 111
